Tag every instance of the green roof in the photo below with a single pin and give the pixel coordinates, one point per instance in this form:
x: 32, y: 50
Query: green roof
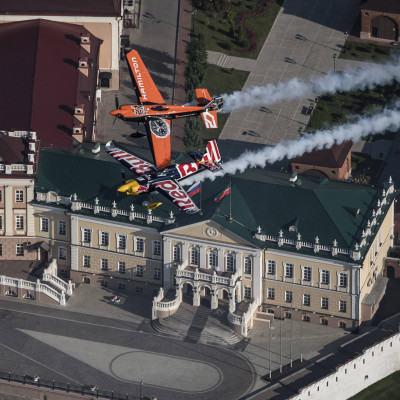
x: 262, y: 198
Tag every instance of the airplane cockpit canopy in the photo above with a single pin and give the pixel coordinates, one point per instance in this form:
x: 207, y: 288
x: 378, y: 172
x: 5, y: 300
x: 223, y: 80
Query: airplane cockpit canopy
x: 159, y: 108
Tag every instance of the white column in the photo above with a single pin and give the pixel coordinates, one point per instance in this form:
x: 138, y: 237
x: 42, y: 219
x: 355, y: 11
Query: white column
x: 214, y: 298
x: 30, y: 218
x: 232, y: 304
x: 238, y: 262
x: 239, y: 292
x: 257, y: 278
x: 74, y: 243
x: 221, y: 259
x: 185, y: 254
x: 203, y: 257
x: 167, y: 270
x: 196, y: 295
x: 355, y: 290
x: 8, y: 213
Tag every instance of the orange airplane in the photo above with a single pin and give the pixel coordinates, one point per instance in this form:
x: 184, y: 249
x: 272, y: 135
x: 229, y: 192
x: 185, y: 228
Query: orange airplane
x: 156, y: 114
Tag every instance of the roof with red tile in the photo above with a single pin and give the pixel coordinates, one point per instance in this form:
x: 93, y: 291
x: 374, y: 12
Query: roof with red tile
x: 103, y: 8
x: 41, y: 83
x: 331, y: 158
x: 12, y: 149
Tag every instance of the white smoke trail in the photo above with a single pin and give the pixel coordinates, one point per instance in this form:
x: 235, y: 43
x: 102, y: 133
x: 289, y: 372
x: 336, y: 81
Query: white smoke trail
x: 369, y: 76
x: 387, y: 120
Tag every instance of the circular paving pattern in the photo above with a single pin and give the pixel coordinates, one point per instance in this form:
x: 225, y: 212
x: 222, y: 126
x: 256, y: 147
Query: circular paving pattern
x: 170, y: 372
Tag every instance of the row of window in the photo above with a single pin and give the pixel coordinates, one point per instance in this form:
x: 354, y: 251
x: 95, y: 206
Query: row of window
x: 306, y: 273
x: 19, y: 196
x: 306, y: 301
x: 104, y: 265
x: 104, y: 240
x: 194, y: 258
x: 306, y: 318
x: 61, y: 226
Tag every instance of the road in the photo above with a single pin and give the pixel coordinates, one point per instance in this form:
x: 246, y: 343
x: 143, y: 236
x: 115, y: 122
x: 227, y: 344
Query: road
x: 115, y: 355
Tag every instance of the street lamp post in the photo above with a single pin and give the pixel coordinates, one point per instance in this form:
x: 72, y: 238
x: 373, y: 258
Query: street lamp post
x: 269, y: 346
x: 334, y: 62
x: 141, y: 386
x: 291, y: 327
x: 346, y: 35
x: 280, y: 345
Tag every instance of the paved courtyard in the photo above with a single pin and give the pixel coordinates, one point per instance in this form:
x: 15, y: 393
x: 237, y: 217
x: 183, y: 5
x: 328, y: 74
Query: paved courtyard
x: 301, y: 43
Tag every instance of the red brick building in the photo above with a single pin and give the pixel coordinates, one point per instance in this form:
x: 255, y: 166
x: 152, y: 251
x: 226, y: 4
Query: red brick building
x: 380, y: 20
x: 333, y: 163
x: 50, y: 70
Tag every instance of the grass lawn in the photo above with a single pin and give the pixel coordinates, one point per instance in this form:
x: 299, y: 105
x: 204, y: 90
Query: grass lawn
x: 219, y: 81
x: 366, y: 51
x: 386, y: 389
x: 335, y: 109
x: 217, y: 34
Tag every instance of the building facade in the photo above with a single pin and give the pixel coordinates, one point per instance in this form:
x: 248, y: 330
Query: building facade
x: 18, y: 169
x: 270, y: 249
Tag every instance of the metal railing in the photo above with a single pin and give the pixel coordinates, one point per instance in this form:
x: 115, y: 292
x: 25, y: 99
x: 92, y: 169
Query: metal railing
x: 83, y: 390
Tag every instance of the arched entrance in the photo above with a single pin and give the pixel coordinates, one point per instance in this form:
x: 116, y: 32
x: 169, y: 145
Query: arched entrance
x: 187, y: 293
x: 384, y: 28
x: 205, y: 295
x: 223, y: 297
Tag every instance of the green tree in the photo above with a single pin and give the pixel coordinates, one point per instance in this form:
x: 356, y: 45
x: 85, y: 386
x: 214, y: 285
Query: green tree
x: 196, y: 65
x: 191, y: 138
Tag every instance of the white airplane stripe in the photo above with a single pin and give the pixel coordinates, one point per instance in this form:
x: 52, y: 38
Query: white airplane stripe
x: 216, y: 155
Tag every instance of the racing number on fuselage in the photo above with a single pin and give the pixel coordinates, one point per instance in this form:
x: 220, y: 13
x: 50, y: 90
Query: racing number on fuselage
x: 187, y: 169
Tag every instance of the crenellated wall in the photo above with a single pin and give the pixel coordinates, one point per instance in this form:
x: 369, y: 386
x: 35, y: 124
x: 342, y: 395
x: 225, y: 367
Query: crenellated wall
x: 357, y: 374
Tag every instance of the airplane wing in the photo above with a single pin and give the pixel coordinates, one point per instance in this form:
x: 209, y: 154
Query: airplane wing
x: 145, y: 86
x: 135, y: 164
x: 173, y: 191
x: 159, y: 136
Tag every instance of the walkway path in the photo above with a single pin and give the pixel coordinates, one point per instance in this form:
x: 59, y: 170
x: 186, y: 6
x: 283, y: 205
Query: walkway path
x: 301, y: 43
x: 223, y: 60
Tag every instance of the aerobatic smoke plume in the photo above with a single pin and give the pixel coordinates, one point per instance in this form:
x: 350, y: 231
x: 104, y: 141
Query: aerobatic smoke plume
x: 361, y: 126
x: 369, y: 76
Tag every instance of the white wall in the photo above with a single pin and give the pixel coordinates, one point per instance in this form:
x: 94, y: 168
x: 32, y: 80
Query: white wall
x: 375, y: 364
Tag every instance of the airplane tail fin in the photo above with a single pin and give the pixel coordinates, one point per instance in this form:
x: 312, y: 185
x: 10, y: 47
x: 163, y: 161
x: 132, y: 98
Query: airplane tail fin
x: 210, y: 105
x: 211, y: 158
x: 212, y: 152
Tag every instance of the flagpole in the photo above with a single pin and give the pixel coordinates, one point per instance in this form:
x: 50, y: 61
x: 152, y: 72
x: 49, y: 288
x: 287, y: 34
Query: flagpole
x: 200, y: 197
x: 230, y: 201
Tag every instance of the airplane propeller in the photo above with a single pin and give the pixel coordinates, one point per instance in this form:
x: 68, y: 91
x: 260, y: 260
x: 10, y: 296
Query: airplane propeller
x: 116, y: 107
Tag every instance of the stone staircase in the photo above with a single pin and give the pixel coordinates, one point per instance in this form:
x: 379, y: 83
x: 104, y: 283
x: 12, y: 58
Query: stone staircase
x: 198, y: 325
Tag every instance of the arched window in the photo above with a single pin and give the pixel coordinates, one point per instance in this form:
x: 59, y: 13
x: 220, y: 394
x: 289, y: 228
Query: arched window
x: 177, y: 252
x: 212, y: 259
x: 247, y: 265
x: 194, y: 255
x: 230, y: 262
